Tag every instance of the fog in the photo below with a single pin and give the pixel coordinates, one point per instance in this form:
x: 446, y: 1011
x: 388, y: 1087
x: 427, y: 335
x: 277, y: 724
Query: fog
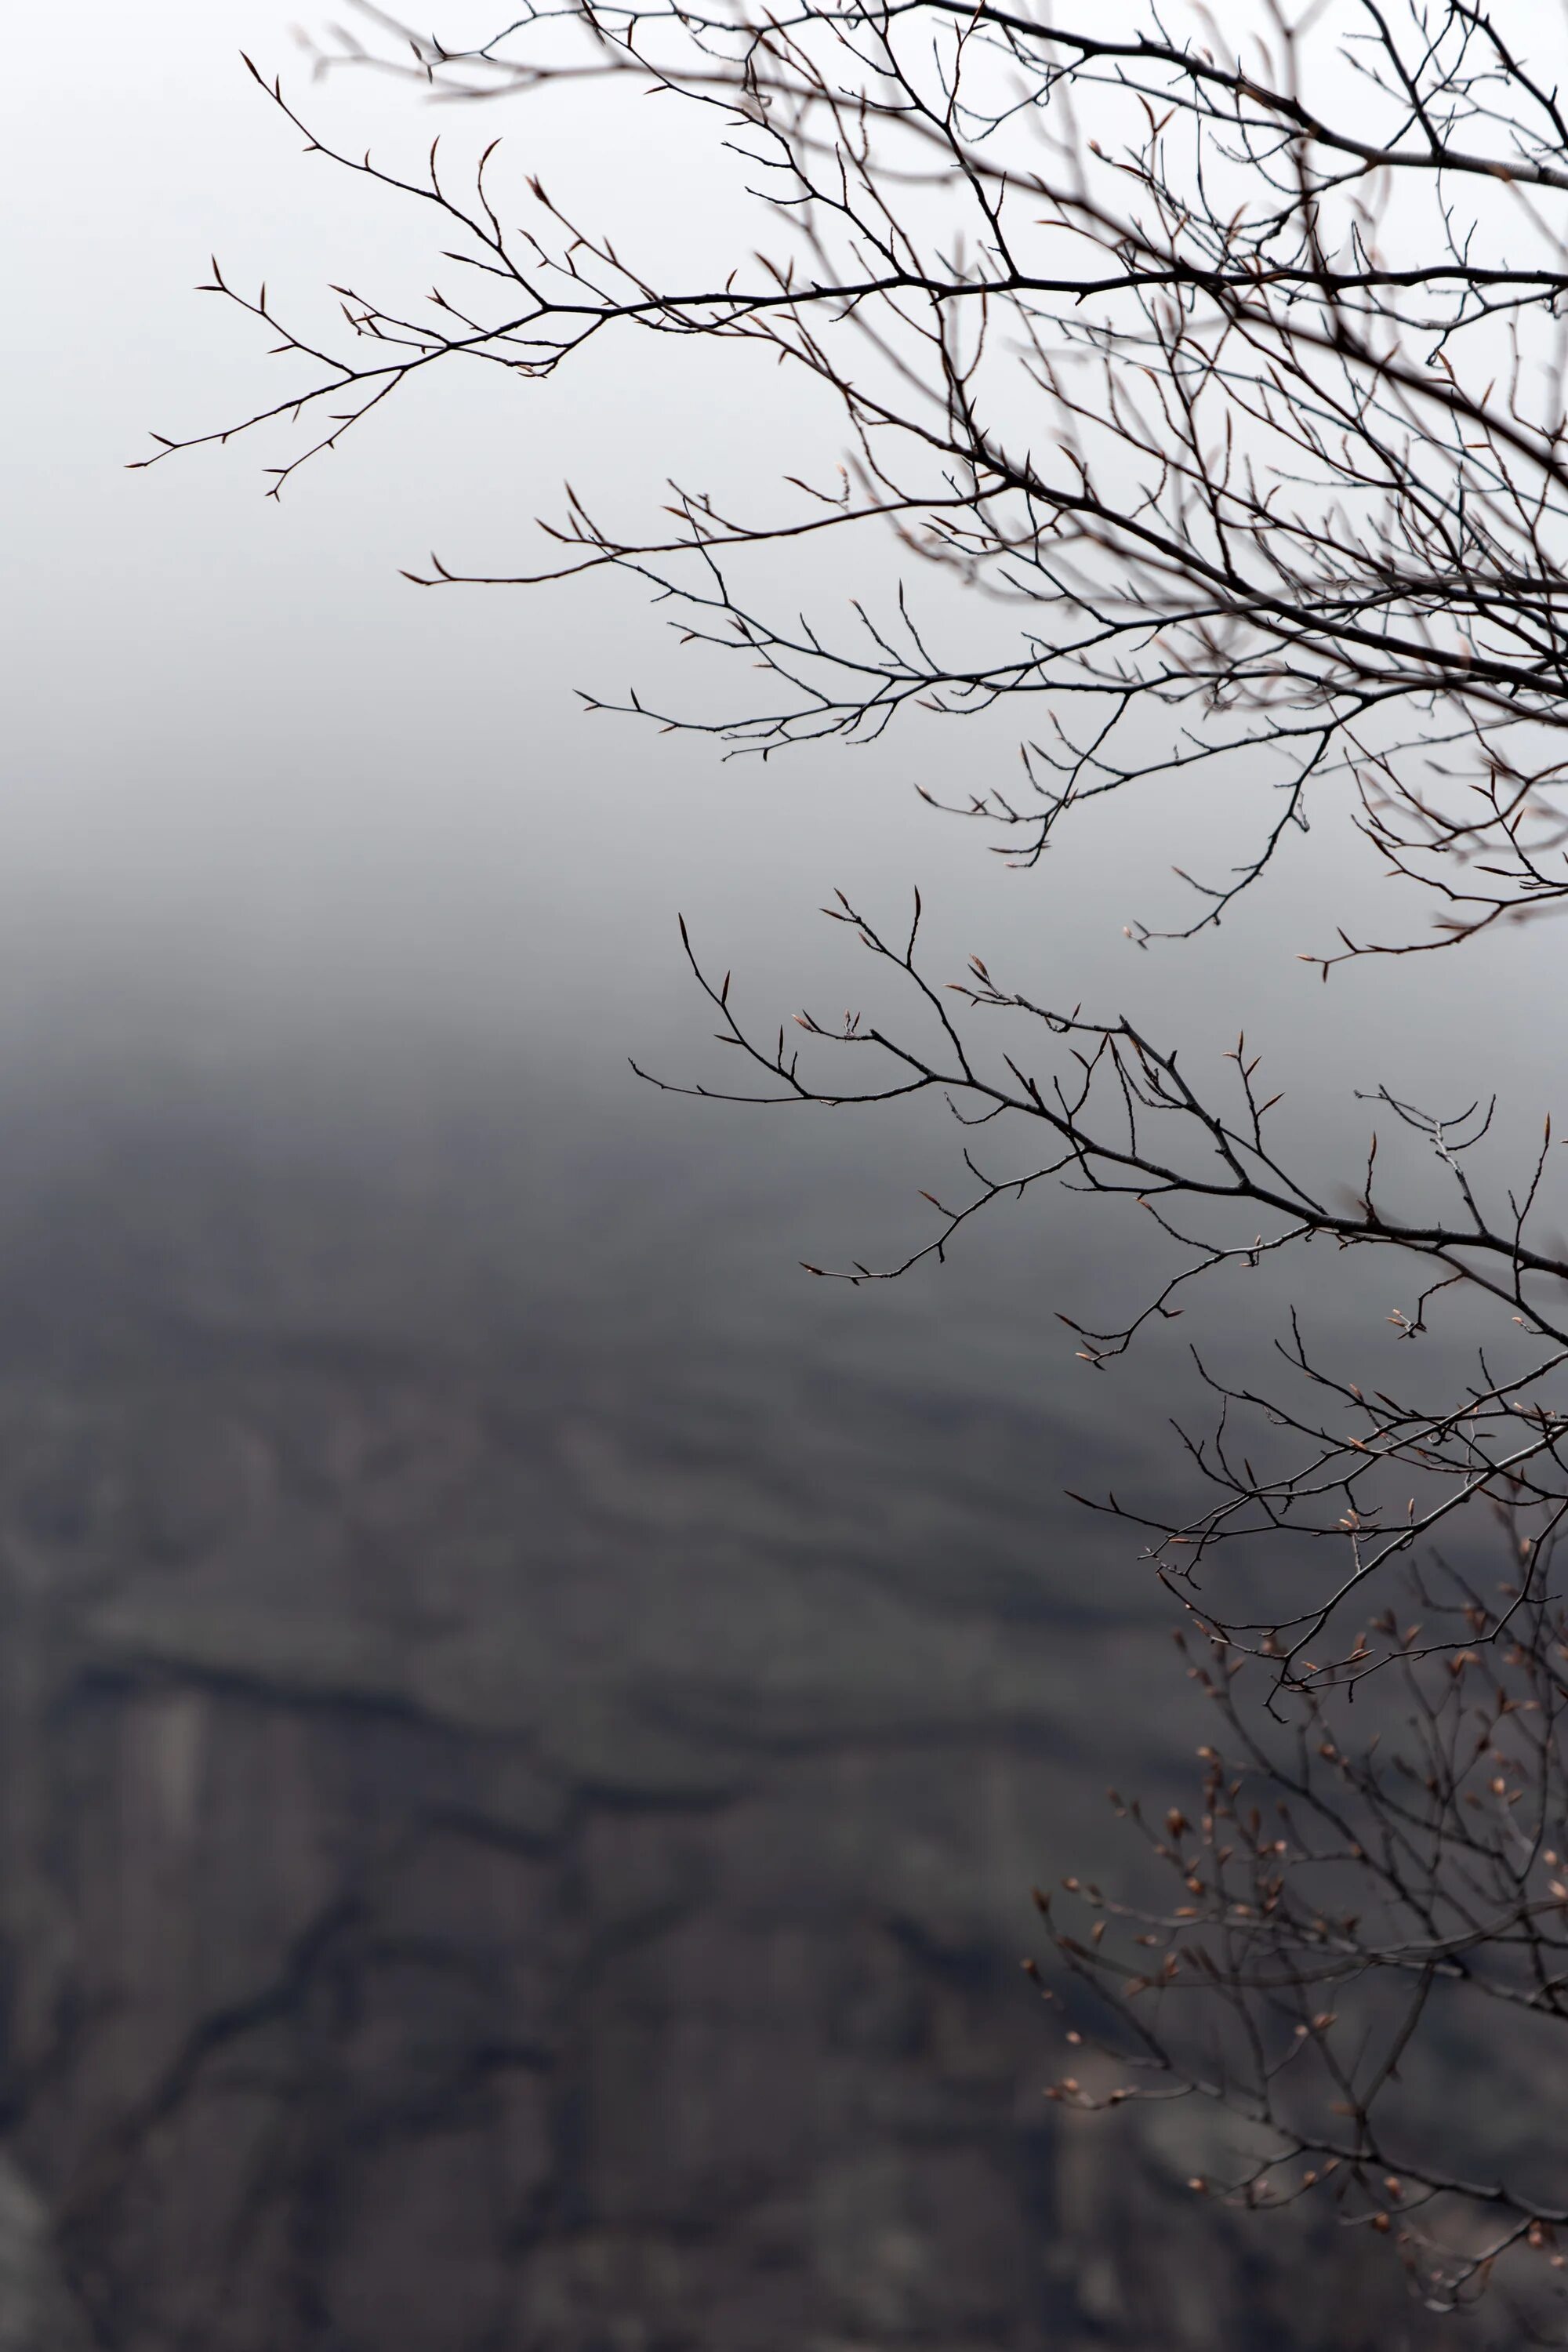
x: 328, y: 922
x: 276, y: 818
x: 266, y: 798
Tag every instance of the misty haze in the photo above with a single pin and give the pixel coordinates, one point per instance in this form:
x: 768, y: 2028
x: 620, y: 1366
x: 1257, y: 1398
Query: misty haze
x: 530, y: 1723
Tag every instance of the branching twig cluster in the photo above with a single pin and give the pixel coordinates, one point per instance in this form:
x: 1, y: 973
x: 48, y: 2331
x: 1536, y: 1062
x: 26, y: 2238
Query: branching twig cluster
x: 1344, y: 1910
x: 1238, y: 382
x: 1231, y: 374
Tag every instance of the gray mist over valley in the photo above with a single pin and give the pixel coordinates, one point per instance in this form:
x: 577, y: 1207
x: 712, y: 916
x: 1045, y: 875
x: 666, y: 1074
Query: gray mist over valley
x: 580, y: 1704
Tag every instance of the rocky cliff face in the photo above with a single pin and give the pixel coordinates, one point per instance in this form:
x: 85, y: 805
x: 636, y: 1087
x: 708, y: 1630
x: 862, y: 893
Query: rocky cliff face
x: 523, y: 1846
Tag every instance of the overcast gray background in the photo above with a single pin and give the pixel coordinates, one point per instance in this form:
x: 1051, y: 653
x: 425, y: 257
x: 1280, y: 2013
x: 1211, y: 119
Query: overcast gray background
x: 270, y: 809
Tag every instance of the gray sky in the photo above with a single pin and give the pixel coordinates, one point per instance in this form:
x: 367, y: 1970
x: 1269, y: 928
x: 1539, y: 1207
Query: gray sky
x: 258, y: 787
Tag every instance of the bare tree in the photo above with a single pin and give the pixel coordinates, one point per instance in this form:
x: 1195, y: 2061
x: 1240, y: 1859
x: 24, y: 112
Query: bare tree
x: 1230, y: 370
